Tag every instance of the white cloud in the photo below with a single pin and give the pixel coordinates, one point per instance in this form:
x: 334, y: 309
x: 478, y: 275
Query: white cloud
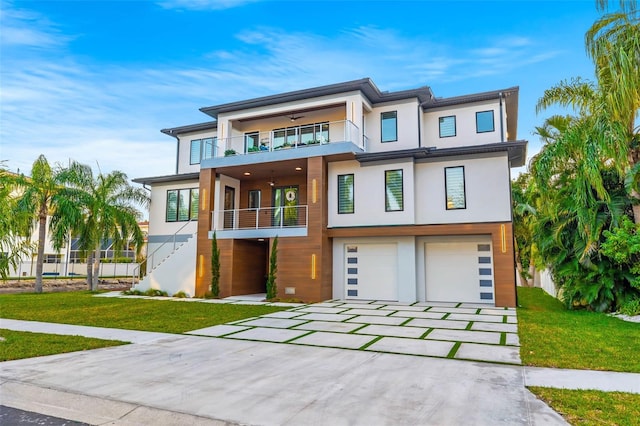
x: 23, y: 28
x: 203, y: 4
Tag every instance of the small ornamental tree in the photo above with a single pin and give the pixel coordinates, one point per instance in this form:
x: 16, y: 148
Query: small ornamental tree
x: 272, y: 289
x: 215, y: 267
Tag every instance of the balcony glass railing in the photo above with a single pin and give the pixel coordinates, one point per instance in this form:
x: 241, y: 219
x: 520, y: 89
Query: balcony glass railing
x: 261, y: 218
x: 286, y: 138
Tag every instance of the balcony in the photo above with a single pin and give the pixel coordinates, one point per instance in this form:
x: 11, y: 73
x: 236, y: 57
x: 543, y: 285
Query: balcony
x: 267, y: 222
x: 279, y: 140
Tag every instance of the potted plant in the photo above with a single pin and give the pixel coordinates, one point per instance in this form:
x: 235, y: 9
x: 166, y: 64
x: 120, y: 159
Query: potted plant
x: 253, y: 149
x: 230, y: 152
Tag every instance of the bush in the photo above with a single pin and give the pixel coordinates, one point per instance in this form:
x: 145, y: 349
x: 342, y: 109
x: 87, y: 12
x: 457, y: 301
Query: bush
x: 133, y: 293
x: 153, y: 292
x: 180, y: 295
x: 631, y: 307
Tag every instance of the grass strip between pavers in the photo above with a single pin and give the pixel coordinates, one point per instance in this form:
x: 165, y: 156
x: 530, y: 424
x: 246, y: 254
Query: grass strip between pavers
x: 366, y: 345
x: 454, y: 349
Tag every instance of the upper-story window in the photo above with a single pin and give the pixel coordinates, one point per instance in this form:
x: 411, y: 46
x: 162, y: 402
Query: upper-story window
x: 484, y: 122
x: 389, y: 126
x: 201, y: 149
x: 182, y: 205
x: 345, y: 194
x: 447, y: 126
x: 454, y: 188
x: 393, y: 191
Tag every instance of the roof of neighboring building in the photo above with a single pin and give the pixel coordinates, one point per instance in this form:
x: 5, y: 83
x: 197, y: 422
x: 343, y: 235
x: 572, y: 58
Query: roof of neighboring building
x: 364, y: 85
x: 517, y: 151
x: 167, y: 178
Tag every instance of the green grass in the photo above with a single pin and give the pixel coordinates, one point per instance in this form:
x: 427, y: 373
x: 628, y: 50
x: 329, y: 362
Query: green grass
x: 81, y: 308
x: 552, y: 336
x: 580, y: 407
x: 22, y: 344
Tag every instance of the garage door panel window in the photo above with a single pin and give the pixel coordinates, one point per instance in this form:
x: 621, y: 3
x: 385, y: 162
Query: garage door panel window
x: 455, y: 188
x: 345, y: 194
x: 394, y: 191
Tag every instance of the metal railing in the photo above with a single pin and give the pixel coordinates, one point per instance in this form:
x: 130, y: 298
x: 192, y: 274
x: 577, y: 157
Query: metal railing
x: 146, y: 266
x: 260, y: 218
x: 291, y: 137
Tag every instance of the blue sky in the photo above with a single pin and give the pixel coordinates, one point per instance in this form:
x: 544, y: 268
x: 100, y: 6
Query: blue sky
x: 96, y: 81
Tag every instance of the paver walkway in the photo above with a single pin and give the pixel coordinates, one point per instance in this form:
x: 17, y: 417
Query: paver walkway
x: 446, y: 330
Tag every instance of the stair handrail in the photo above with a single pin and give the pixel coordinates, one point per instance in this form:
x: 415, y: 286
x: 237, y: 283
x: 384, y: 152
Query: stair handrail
x: 136, y: 271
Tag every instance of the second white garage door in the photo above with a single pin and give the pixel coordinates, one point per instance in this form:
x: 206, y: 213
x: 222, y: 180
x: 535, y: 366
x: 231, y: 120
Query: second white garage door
x: 371, y: 271
x: 459, y: 271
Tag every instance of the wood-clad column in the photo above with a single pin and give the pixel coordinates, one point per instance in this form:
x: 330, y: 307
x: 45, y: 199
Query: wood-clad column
x: 503, y: 265
x: 321, y: 256
x: 207, y: 205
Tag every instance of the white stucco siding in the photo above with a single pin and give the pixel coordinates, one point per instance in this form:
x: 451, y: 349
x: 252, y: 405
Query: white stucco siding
x: 407, y: 122
x: 369, y: 194
x: 184, y: 150
x: 465, y: 121
x: 158, y: 225
x: 487, y: 191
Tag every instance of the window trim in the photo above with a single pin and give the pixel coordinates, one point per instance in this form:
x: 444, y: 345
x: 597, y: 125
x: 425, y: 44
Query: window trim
x: 493, y: 122
x: 382, y: 140
x: 455, y: 126
x: 190, y: 203
x: 386, y: 195
x: 353, y: 192
x: 464, y: 189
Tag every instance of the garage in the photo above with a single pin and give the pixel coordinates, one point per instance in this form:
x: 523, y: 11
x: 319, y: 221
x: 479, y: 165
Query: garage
x: 371, y: 271
x: 459, y: 269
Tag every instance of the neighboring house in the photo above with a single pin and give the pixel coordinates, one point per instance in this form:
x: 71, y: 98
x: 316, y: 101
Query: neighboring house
x: 396, y: 196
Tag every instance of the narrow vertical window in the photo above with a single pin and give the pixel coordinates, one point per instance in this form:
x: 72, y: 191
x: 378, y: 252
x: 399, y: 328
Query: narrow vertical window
x: 484, y: 122
x: 447, y: 126
x: 172, y: 205
x: 195, y: 197
x: 454, y: 188
x: 345, y: 194
x: 207, y: 148
x: 389, y: 126
x: 196, y: 147
x: 254, y: 199
x: 393, y: 190
x: 183, y: 204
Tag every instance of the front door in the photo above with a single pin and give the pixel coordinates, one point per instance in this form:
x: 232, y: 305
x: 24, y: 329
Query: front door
x: 285, y: 206
x: 229, y: 206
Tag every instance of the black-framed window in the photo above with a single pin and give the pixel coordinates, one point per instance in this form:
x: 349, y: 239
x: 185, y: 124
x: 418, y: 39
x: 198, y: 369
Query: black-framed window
x: 389, y: 126
x: 484, y: 122
x: 455, y: 188
x: 202, y: 149
x: 346, y: 203
x: 447, y: 126
x: 182, y: 205
x: 393, y: 191
x: 254, y: 198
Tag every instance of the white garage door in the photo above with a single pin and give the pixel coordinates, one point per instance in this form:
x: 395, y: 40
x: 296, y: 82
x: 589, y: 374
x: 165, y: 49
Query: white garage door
x: 459, y: 271
x: 371, y: 271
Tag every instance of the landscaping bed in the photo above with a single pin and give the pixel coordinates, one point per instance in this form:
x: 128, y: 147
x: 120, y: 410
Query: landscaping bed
x: 50, y: 285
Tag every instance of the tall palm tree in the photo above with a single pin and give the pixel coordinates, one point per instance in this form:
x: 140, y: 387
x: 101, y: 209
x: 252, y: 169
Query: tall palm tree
x: 36, y: 203
x: 612, y: 104
x: 12, y: 246
x: 104, y: 207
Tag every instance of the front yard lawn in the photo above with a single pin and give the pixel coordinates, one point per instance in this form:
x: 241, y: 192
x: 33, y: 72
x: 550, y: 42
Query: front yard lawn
x: 82, y: 308
x: 22, y: 344
x: 591, y: 407
x: 552, y: 336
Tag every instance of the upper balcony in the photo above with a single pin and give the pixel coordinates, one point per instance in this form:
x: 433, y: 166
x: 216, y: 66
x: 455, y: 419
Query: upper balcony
x: 256, y: 146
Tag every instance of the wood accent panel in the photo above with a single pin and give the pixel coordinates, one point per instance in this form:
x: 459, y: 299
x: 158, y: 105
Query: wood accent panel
x: 249, y: 267
x: 203, y: 251
x: 503, y: 262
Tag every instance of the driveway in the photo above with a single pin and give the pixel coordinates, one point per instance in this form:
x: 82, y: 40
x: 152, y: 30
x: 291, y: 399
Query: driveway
x: 345, y: 363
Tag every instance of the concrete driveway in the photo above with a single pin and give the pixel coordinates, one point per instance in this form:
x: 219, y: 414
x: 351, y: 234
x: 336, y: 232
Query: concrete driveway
x: 173, y: 380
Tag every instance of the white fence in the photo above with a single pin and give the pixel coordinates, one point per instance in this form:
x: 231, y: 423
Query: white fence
x: 28, y: 269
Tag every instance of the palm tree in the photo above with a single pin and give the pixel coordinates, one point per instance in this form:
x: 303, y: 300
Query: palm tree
x: 101, y: 208
x: 12, y: 247
x: 36, y: 203
x: 609, y: 108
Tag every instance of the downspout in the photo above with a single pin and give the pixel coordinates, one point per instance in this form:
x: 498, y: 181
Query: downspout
x: 500, y: 95
x: 177, y: 150
x: 419, y: 129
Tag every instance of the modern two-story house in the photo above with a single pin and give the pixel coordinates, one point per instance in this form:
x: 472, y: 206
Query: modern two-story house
x: 394, y: 196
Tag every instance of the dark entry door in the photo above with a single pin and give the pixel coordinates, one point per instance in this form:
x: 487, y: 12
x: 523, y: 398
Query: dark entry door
x: 285, y: 206
x: 229, y: 206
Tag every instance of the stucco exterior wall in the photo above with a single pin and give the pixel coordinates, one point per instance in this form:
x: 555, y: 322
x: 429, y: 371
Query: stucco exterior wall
x: 407, y: 122
x: 184, y: 150
x: 158, y: 225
